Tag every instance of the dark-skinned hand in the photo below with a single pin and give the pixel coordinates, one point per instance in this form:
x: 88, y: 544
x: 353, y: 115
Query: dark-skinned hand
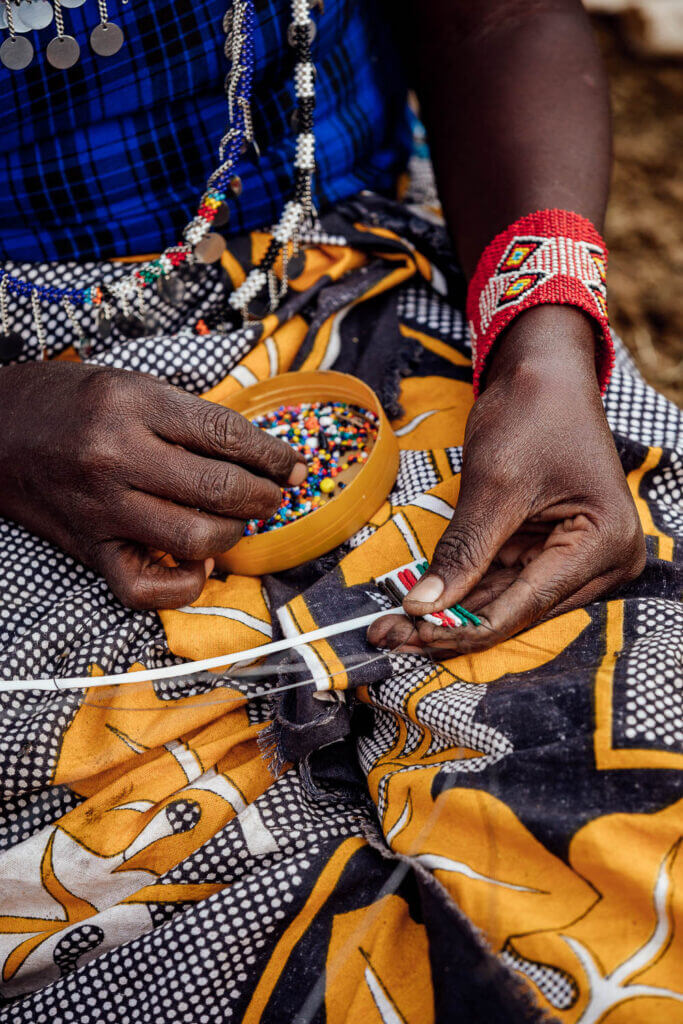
x: 544, y: 521
x: 111, y: 465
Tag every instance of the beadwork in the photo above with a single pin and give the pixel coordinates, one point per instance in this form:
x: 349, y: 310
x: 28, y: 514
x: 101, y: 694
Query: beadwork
x: 547, y: 257
x: 397, y: 583
x: 200, y: 244
x: 332, y: 437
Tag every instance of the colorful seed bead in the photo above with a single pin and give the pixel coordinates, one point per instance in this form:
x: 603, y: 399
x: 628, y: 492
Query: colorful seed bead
x: 331, y: 437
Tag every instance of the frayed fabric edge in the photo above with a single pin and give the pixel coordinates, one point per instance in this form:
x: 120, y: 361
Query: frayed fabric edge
x: 271, y: 738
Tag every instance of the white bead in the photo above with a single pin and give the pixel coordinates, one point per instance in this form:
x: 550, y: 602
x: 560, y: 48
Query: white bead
x: 249, y: 288
x: 304, y: 80
x: 287, y: 225
x: 300, y: 11
x: 305, y: 152
x: 195, y: 230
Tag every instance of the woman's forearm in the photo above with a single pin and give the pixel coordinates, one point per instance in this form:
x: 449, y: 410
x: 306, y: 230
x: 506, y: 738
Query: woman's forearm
x: 515, y: 100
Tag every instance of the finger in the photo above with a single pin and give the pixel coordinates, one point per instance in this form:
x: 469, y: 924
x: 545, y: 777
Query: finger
x: 144, y: 584
x: 480, y: 526
x: 493, y: 583
x: 570, y: 569
x: 211, y: 429
x: 571, y: 559
x: 394, y: 633
x: 187, y: 534
x: 521, y: 548
x: 598, y: 588
x: 208, y: 484
x: 447, y: 643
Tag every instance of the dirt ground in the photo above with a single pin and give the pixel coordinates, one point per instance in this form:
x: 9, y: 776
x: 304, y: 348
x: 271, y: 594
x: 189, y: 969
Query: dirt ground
x: 644, y: 229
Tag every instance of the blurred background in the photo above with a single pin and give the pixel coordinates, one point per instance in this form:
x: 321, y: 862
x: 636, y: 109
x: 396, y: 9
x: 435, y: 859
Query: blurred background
x: 642, y: 41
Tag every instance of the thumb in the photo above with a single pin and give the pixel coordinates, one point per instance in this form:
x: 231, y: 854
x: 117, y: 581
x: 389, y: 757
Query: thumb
x: 142, y: 583
x: 480, y: 526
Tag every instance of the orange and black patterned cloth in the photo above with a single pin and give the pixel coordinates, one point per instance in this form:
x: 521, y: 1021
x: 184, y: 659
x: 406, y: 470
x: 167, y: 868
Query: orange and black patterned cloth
x: 493, y: 838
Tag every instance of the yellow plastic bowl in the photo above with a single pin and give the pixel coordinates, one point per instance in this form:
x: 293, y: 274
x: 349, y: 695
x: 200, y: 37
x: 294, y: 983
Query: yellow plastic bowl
x: 327, y: 527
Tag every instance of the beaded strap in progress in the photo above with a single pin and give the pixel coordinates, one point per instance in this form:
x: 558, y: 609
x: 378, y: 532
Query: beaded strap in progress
x: 397, y: 583
x: 549, y: 257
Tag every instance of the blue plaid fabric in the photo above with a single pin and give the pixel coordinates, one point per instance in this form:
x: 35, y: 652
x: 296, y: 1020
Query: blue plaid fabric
x: 110, y: 157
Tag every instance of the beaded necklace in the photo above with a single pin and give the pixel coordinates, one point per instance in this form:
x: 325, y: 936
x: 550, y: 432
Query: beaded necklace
x: 262, y: 289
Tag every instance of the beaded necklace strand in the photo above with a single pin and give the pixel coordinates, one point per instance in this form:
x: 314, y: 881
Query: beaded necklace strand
x: 262, y: 289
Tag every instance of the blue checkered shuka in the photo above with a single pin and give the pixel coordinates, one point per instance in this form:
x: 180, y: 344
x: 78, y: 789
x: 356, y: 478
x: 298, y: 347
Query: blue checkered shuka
x: 110, y: 157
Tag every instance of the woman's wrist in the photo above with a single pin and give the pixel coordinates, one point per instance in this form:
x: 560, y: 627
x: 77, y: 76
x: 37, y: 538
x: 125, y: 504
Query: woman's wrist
x: 549, y: 343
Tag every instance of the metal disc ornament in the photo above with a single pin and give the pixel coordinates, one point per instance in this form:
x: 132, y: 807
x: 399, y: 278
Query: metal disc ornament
x: 63, y: 52
x: 136, y: 325
x: 172, y: 290
x: 16, y: 53
x: 191, y: 272
x: 258, y: 308
x: 72, y: 3
x: 11, y: 346
x: 36, y: 14
x: 222, y: 215
x: 19, y: 24
x: 211, y: 248
x: 250, y: 149
x: 105, y: 323
x: 106, y: 39
x: 296, y: 266
x: 293, y: 32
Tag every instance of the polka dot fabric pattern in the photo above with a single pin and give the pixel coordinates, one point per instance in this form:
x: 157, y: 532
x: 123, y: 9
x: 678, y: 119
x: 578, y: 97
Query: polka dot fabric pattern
x: 649, y: 695
x: 665, y: 493
x: 513, y: 813
x: 640, y: 413
x: 557, y: 987
x: 422, y: 307
x: 24, y: 816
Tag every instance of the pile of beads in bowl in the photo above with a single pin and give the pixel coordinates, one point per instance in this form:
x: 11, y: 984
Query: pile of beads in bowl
x: 332, y: 437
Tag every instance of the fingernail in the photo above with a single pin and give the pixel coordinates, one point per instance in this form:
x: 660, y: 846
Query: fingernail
x: 208, y: 565
x: 428, y: 590
x: 298, y: 474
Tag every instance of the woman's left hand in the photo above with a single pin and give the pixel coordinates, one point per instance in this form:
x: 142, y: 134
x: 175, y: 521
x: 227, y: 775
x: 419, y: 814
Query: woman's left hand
x: 544, y: 521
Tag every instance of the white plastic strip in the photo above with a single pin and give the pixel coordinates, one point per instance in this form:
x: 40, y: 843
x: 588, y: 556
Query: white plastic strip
x: 189, y: 667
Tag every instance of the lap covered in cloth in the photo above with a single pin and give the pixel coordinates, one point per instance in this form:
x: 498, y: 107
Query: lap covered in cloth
x: 493, y: 838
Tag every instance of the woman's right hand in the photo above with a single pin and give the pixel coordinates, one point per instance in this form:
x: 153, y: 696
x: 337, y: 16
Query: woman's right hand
x: 109, y: 464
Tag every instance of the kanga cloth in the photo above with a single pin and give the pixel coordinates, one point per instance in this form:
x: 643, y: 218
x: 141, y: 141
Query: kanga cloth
x: 494, y: 838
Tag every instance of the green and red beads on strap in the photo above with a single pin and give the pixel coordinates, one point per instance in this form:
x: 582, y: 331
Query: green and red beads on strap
x: 399, y: 582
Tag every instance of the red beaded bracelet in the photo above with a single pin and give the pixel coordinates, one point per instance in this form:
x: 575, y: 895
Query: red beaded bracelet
x: 548, y: 257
